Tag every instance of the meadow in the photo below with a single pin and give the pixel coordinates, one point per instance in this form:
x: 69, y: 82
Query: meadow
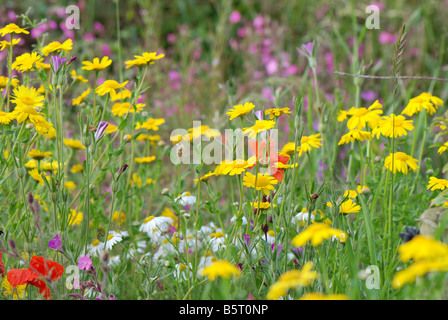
x: 223, y: 150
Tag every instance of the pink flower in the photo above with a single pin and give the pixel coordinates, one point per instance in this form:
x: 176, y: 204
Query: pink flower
x: 235, y: 16
x: 98, y: 26
x: 12, y: 16
x: 258, y: 22
x: 272, y: 67
x: 386, y: 37
x: 56, y: 243
x: 106, y: 50
x: 171, y: 37
x: 84, y: 262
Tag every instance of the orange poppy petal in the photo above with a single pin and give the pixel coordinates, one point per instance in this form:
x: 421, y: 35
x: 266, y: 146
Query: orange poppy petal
x: 17, y: 277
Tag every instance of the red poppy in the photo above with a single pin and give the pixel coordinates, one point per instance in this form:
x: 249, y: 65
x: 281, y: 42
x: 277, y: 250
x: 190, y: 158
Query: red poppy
x: 2, y: 267
x: 270, y: 157
x: 38, y: 268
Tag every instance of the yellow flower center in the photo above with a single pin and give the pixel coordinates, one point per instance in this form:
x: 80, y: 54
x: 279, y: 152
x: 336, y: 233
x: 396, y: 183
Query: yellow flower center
x: 27, y: 100
x: 148, y: 219
x: 110, y: 237
x: 95, y: 242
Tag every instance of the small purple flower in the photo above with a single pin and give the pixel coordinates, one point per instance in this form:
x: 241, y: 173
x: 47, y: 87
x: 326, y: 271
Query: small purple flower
x: 84, y: 263
x: 100, y: 130
x: 308, y: 47
x: 57, y: 63
x: 56, y: 243
x: 239, y: 265
x: 247, y: 240
x: 259, y: 115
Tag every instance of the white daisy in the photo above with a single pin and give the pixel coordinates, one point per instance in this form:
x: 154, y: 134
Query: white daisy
x: 217, y: 241
x: 155, y: 226
x: 112, y: 239
x: 96, y: 248
x: 114, y: 261
x: 303, y: 216
x: 182, y: 271
x: 244, y: 222
x: 270, y: 237
x: 186, y: 199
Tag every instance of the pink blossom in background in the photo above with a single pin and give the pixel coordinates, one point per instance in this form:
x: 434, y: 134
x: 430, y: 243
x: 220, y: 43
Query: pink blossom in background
x: 290, y: 70
x: 320, y: 14
x: 106, y: 50
x: 100, y: 80
x: 12, y: 16
x: 387, y: 38
x: 272, y: 67
x: 414, y: 52
x: 330, y: 97
x: 233, y: 43
x: 60, y: 12
x: 171, y: 37
x: 235, y: 16
x: 53, y: 25
x: 89, y: 37
x: 267, y: 94
x: 258, y: 22
x: 368, y: 95
x: 257, y: 75
x: 380, y: 5
x: 241, y: 32
x: 329, y: 62
x: 98, y: 26
x: 252, y: 48
x: 141, y: 98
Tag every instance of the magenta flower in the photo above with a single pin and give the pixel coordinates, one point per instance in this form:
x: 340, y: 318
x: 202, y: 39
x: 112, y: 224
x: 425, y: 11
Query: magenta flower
x: 56, y: 243
x: 100, y: 130
x: 84, y: 262
x: 308, y: 47
x: 235, y: 16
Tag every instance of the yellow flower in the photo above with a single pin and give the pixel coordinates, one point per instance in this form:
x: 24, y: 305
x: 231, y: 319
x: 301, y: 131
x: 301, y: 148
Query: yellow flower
x: 77, y: 77
x: 70, y: 185
x: 109, y: 86
x: 401, y: 162
x: 145, y: 159
x: 355, y: 134
x: 349, y: 206
x: 144, y: 59
x: 259, y: 126
x: 56, y: 46
x: 435, y: 183
x: 77, y: 101
x: 75, y: 218
x: 360, y: 117
x: 263, y: 205
x: 424, y: 100
x: 26, y: 61
x: 240, y: 110
x: 288, y: 149
x: 422, y: 248
x: 292, y: 279
x: 221, y: 269
x: 6, y: 117
x: 197, y: 132
x: 39, y: 155
x: 96, y: 65
x: 263, y: 182
x: 321, y: 296
x: 235, y: 167
x: 417, y: 269
x: 12, y: 28
x: 393, y: 126
x: 123, y: 94
x: 5, y: 44
x: 76, y: 168
x: 316, y: 233
x: 27, y: 98
x: 308, y: 142
x: 121, y: 108
x: 136, y: 180
x: 111, y: 129
x: 4, y: 82
x: 276, y: 112
x: 443, y: 148
x: 205, y: 177
x: 151, y: 124
x: 74, y: 144
x: 120, y: 217
x: 36, y: 176
x: 19, y: 291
